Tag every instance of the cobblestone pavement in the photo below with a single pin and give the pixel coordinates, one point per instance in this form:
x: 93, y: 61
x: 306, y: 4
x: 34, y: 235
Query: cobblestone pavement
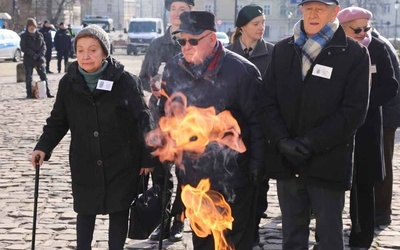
x: 20, y: 126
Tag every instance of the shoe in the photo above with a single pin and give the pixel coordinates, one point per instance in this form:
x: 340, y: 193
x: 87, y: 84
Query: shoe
x: 383, y: 220
x: 264, y: 216
x: 59, y: 71
x: 176, y: 232
x: 30, y: 97
x: 50, y: 96
x: 50, y: 72
x: 155, y: 235
x: 359, y: 248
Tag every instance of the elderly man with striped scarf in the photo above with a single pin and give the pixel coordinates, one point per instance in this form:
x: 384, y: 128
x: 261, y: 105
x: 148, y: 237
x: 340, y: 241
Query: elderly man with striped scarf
x: 314, y: 97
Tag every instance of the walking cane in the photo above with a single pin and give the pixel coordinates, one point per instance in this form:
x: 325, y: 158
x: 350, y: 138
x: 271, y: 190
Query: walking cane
x: 164, y: 204
x: 37, y: 167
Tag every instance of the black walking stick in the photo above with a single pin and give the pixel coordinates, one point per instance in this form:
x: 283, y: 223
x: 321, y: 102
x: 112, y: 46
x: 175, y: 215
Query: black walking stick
x: 37, y: 167
x: 167, y: 167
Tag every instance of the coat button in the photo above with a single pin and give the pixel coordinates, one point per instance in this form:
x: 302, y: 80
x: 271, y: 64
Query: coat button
x: 96, y: 134
x: 297, y: 175
x: 99, y: 162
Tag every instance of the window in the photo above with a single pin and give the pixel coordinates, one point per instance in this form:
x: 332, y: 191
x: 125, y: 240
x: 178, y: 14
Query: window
x: 208, y: 8
x: 386, y: 8
x: 283, y: 10
x: 109, y: 9
x: 372, y: 8
x: 267, y: 10
x: 266, y: 32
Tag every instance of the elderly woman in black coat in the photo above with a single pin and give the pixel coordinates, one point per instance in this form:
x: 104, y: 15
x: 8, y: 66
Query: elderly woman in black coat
x: 103, y: 107
x: 369, y: 167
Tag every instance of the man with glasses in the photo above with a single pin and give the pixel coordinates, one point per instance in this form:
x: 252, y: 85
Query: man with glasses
x: 315, y: 96
x: 369, y: 166
x: 211, y: 76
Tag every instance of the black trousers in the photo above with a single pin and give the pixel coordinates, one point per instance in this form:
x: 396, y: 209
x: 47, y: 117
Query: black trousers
x: 117, y: 231
x: 384, y: 189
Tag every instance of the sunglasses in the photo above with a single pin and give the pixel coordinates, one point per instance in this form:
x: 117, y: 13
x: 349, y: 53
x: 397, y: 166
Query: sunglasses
x: 358, y: 30
x: 192, y: 41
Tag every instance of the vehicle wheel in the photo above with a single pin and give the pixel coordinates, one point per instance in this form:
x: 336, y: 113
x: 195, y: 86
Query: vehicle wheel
x: 17, y: 56
x: 135, y: 52
x: 128, y: 51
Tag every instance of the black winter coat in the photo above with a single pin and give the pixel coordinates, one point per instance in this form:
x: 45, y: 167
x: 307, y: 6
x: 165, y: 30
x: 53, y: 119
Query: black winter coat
x: 326, y: 110
x: 34, y: 48
x: 231, y: 85
x: 47, y: 36
x: 107, y: 138
x: 261, y: 55
x: 368, y: 154
x: 161, y: 50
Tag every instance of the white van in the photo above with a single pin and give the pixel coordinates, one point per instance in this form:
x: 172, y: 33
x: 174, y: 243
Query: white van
x: 141, y: 32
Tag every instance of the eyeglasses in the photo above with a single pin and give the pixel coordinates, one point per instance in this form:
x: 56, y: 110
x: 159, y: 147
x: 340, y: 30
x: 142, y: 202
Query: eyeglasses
x: 192, y: 41
x: 358, y: 30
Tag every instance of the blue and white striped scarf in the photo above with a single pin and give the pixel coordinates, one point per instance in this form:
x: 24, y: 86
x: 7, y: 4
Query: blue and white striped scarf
x: 312, y: 46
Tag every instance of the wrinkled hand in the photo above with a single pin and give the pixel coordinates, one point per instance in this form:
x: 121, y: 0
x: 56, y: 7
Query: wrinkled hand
x: 40, y: 154
x: 295, y: 152
x: 155, y: 86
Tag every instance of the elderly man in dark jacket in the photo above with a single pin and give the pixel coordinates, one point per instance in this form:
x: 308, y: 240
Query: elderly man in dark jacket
x: 34, y: 48
x: 315, y: 96
x: 211, y: 76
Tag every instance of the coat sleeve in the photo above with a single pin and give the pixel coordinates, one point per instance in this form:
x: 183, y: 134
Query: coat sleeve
x: 56, y: 125
x: 150, y: 65
x: 145, y: 121
x: 384, y: 85
x: 249, y: 108
x: 24, y: 45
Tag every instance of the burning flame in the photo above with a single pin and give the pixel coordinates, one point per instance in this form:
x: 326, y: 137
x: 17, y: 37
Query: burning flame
x: 208, y: 212
x: 191, y: 129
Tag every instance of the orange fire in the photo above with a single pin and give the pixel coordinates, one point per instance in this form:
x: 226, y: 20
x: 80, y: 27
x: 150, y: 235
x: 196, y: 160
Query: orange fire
x: 191, y: 129
x: 208, y: 212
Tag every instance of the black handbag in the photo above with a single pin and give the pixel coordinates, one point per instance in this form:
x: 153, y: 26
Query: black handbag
x: 145, y: 212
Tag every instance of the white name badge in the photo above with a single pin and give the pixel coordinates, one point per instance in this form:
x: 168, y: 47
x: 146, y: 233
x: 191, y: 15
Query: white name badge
x: 104, y: 85
x: 322, y: 71
x: 373, y: 69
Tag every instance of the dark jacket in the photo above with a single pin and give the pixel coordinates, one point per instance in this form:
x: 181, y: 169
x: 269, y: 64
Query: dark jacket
x: 62, y: 40
x: 107, y: 146
x: 34, y: 48
x: 391, y: 109
x: 47, y: 36
x: 161, y: 50
x: 231, y: 85
x: 326, y: 110
x: 368, y: 154
x: 261, y: 55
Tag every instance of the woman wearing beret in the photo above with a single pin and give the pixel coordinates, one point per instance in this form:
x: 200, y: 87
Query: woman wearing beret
x: 248, y: 42
x: 103, y: 107
x: 369, y: 167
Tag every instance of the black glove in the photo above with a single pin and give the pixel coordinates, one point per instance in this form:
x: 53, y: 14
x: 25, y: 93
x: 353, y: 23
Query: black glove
x: 295, y: 152
x: 306, y: 143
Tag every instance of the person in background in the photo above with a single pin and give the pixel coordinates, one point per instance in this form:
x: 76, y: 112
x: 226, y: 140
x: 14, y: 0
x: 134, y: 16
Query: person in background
x: 48, y: 39
x: 72, y: 32
x: 211, y: 76
x: 229, y: 33
x: 160, y: 51
x: 62, y: 42
x: 103, y: 107
x: 34, y: 48
x: 369, y: 166
x: 248, y: 42
x: 391, y: 121
x: 314, y: 98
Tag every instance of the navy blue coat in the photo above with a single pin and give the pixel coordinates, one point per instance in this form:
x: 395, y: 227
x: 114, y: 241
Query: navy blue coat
x: 107, y: 138
x: 231, y: 85
x: 328, y: 110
